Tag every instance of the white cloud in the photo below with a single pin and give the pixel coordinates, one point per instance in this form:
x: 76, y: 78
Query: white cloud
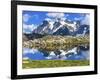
x: 77, y: 18
x: 29, y: 28
x: 55, y: 15
x: 49, y: 57
x: 26, y: 17
x: 86, y: 20
x: 63, y: 19
x: 47, y: 19
x: 26, y: 51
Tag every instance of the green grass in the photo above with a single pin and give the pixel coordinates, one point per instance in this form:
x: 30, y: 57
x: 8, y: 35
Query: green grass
x: 27, y: 64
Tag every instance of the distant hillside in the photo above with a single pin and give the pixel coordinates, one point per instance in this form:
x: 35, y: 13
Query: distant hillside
x: 54, y: 42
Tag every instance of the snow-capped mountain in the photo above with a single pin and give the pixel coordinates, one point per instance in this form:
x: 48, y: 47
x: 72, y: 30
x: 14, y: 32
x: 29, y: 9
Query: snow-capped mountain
x: 82, y: 30
x: 62, y: 31
x: 57, y: 27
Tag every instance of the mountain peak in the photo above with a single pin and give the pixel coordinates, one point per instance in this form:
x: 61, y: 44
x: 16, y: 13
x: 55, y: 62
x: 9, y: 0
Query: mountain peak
x: 57, y: 26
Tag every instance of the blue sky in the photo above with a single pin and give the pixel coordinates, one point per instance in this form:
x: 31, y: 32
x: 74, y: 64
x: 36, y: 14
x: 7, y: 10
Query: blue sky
x: 31, y: 19
x: 36, y: 17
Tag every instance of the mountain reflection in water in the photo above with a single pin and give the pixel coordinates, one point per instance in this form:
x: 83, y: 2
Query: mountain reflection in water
x: 76, y: 53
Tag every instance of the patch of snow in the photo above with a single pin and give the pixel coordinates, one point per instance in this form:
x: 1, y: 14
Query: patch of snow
x: 63, y: 52
x: 52, y: 53
x: 57, y: 28
x: 51, y: 25
x: 74, y: 50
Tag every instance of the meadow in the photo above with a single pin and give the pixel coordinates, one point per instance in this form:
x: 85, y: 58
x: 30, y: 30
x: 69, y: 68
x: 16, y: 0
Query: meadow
x: 27, y: 64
